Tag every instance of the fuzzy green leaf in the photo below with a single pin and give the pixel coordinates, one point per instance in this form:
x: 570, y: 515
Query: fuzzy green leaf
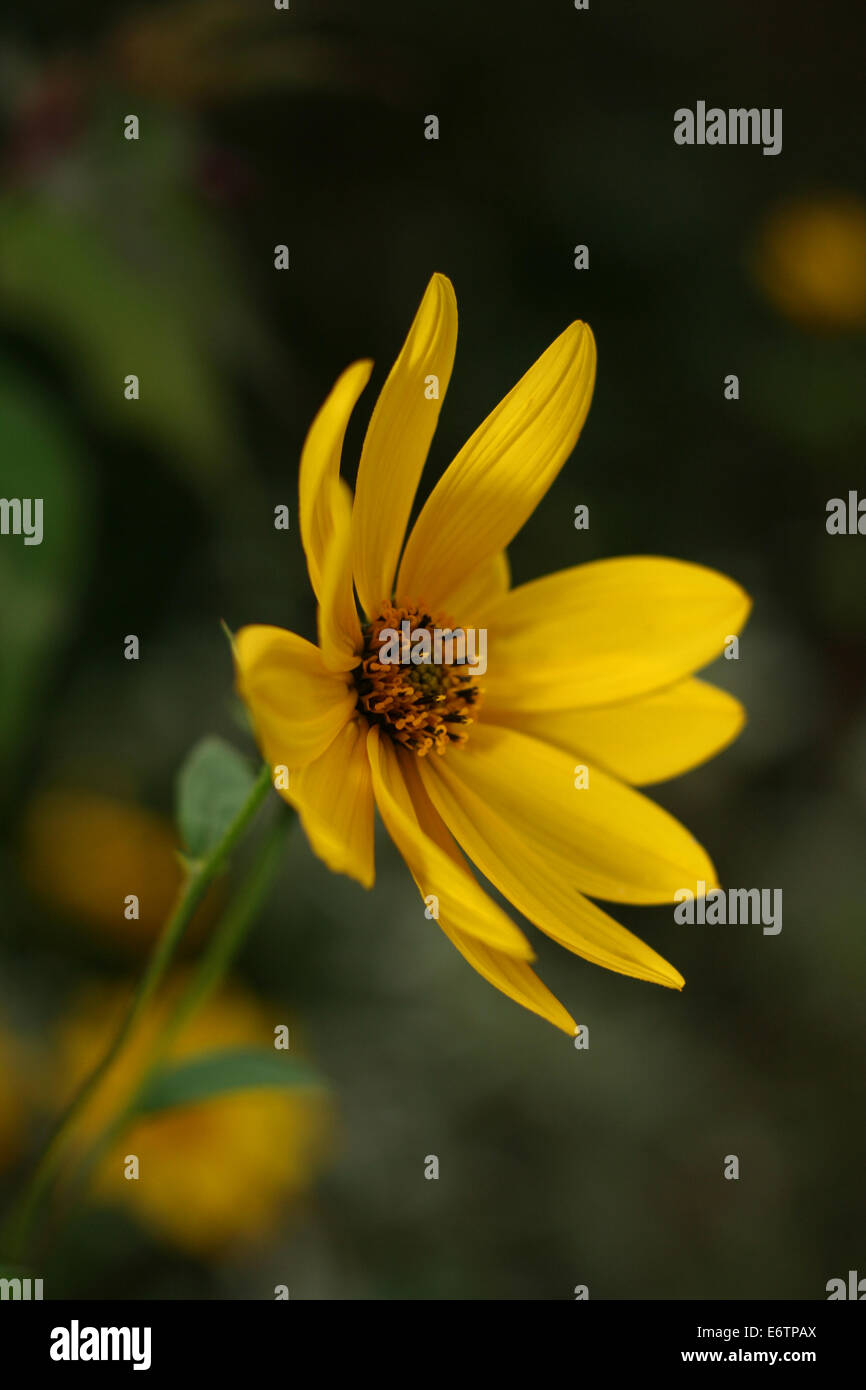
x: 212, y: 786
x: 216, y: 1074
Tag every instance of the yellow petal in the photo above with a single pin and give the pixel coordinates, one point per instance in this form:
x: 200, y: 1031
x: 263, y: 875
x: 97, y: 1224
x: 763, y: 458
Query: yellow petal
x: 537, y: 880
x: 320, y: 467
x: 618, y: 844
x: 398, y: 438
x: 334, y: 799
x: 645, y: 740
x: 607, y: 631
x: 339, y: 628
x: 437, y: 873
x: 471, y: 602
x: 501, y: 474
x: 513, y: 977
x: 297, y: 705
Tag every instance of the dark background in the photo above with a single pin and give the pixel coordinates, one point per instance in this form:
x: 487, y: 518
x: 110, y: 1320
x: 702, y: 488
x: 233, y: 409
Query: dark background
x: 307, y: 128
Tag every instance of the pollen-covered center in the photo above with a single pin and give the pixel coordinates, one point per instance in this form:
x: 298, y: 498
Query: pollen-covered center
x: 418, y: 678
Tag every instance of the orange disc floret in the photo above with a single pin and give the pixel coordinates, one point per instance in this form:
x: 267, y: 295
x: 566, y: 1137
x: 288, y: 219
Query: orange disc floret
x: 414, y: 681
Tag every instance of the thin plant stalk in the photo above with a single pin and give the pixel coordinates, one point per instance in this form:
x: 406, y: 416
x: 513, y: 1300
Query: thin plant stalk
x: 200, y: 875
x: 216, y: 960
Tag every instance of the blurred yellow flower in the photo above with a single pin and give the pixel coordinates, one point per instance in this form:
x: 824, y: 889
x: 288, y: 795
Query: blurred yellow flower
x: 810, y: 260
x: 12, y: 1106
x: 212, y: 1174
x: 85, y: 854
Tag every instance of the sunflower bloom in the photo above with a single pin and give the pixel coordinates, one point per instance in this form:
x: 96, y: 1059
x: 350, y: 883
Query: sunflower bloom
x: 591, y: 666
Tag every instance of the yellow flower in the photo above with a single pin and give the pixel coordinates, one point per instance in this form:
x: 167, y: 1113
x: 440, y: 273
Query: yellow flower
x: 12, y: 1107
x: 810, y: 259
x: 211, y: 1174
x: 85, y: 854
x: 592, y: 665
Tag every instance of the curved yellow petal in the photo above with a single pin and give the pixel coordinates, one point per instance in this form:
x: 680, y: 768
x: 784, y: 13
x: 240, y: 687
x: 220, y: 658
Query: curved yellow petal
x: 472, y: 601
x: 398, y: 438
x: 297, y: 705
x: 513, y: 977
x: 320, y: 467
x: 607, y: 631
x: 537, y: 880
x: 618, y: 845
x: 642, y: 741
x: 334, y: 800
x: 339, y: 627
x: 437, y: 873
x: 501, y: 474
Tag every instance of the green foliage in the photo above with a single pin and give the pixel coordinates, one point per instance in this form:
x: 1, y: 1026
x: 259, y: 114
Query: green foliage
x: 216, y: 1074
x: 39, y: 583
x: 109, y: 320
x: 212, y: 786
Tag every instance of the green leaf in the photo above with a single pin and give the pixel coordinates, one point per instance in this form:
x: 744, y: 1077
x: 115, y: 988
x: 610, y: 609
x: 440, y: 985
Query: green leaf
x: 216, y: 1074
x: 212, y: 786
x: 108, y: 318
x: 39, y: 584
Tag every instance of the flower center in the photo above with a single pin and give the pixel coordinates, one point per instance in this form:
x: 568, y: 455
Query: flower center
x: 418, y: 680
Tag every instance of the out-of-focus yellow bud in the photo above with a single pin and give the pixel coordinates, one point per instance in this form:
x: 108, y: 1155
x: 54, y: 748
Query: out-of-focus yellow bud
x: 810, y: 261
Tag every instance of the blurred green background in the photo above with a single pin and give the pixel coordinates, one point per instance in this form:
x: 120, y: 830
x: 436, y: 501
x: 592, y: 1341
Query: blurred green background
x: 306, y: 127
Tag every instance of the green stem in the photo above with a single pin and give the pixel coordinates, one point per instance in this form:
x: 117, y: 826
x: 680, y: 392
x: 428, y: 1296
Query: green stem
x: 229, y: 936
x: 200, y: 876
x: 223, y: 946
